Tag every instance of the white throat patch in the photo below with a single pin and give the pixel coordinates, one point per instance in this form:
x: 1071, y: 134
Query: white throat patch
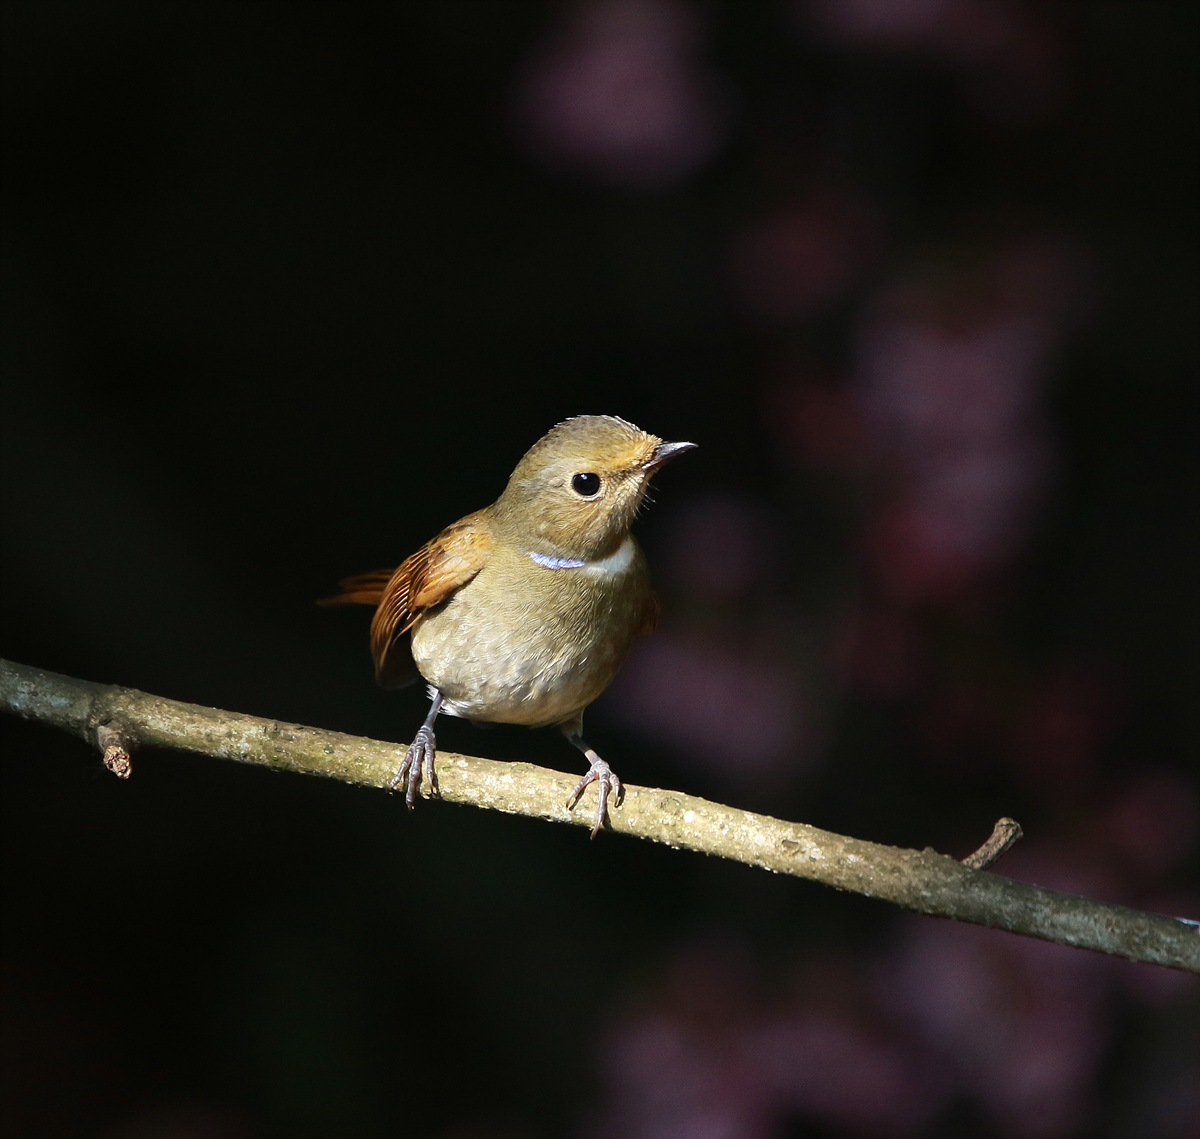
x: 616, y: 563
x: 556, y: 563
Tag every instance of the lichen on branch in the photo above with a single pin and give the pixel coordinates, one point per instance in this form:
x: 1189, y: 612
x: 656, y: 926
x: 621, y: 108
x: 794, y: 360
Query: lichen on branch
x: 119, y: 721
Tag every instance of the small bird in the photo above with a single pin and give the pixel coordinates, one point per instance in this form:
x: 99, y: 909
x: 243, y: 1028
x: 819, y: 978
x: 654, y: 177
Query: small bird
x: 522, y: 612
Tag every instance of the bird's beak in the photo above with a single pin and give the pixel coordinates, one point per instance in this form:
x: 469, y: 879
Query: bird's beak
x: 665, y: 451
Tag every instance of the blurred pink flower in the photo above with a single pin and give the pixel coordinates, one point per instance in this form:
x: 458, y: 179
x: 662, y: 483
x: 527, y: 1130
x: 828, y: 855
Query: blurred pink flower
x: 721, y: 548
x: 738, y: 715
x: 877, y: 651
x: 831, y: 1066
x: 718, y: 682
x: 817, y: 424
x: 1072, y: 715
x: 675, y: 1066
x: 948, y: 380
x: 704, y: 1057
x: 1154, y: 820
x: 789, y: 266
x: 1006, y: 56
x: 616, y: 91
x: 1020, y: 1024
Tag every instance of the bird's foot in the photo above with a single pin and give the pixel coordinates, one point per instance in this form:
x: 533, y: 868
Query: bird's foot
x: 609, y: 784
x: 420, y: 754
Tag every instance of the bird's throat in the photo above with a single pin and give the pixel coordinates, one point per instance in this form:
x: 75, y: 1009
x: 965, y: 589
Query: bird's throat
x: 613, y: 565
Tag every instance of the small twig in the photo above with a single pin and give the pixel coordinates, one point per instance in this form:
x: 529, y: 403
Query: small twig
x: 1004, y: 834
x: 118, y: 751
x: 923, y: 881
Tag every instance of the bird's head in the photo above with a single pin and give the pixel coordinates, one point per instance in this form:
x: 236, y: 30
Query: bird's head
x: 577, y: 489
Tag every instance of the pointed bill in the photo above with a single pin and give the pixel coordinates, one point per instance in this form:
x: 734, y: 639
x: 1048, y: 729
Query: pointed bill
x: 665, y: 451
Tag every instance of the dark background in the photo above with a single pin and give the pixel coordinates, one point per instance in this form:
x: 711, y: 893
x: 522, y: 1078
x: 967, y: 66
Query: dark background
x: 288, y: 287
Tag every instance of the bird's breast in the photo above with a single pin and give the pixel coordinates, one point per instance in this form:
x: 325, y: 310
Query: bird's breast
x: 530, y: 643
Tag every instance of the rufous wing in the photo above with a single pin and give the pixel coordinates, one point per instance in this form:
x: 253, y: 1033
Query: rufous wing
x: 423, y: 580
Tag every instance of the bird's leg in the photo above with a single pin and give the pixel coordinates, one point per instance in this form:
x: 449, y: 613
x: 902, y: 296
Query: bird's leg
x: 420, y: 754
x: 598, y: 772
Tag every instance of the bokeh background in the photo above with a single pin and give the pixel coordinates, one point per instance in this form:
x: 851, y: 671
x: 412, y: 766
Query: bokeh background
x: 290, y: 286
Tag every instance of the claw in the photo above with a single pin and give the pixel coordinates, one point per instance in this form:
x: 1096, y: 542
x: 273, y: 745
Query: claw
x: 420, y: 754
x: 609, y: 784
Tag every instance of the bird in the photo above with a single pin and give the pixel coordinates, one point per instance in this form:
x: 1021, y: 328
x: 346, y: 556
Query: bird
x: 522, y: 612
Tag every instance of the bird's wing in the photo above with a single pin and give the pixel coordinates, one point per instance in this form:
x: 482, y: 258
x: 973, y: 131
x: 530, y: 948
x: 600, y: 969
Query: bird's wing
x: 423, y: 580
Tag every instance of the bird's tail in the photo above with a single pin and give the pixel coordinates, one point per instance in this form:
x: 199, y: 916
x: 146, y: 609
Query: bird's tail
x: 361, y: 589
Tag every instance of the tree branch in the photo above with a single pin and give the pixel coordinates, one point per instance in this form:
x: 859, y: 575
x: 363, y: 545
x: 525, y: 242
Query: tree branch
x: 1004, y: 834
x: 119, y: 720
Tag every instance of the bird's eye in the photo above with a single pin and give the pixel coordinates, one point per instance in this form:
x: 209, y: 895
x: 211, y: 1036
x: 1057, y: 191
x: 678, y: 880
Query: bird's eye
x: 586, y: 484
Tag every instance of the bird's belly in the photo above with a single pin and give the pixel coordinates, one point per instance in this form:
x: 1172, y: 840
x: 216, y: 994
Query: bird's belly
x: 496, y: 660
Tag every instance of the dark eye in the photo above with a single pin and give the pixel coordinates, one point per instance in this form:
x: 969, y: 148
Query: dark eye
x: 586, y: 484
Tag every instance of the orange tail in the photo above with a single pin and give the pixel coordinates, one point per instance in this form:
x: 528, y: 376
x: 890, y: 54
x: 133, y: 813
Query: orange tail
x: 361, y: 589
